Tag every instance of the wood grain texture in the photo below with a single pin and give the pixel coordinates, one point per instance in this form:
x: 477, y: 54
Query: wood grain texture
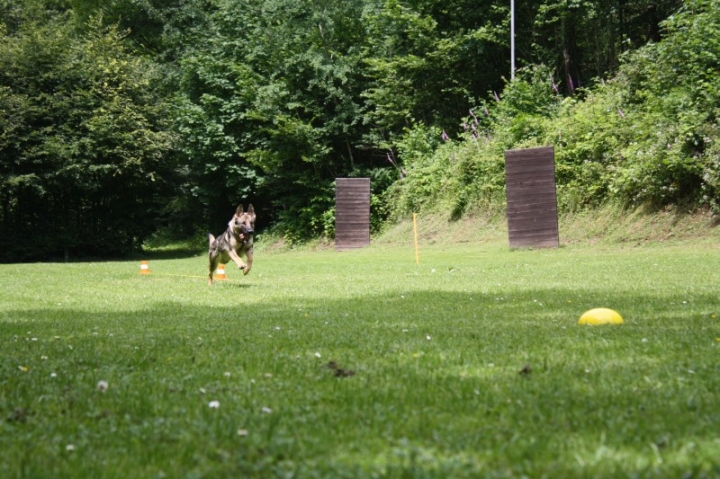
x: 352, y: 213
x: 531, y: 198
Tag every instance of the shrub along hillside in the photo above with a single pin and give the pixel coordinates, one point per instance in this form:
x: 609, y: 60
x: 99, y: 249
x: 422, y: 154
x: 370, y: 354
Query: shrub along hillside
x: 648, y: 136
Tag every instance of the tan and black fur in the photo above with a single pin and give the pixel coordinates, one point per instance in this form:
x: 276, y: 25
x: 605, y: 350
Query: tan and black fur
x: 236, y: 241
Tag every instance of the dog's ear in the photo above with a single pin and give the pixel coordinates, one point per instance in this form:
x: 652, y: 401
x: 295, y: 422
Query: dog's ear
x: 251, y: 210
x: 239, y: 210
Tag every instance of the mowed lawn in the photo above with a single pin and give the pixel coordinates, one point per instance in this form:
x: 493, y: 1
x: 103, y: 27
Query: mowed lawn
x: 365, y: 364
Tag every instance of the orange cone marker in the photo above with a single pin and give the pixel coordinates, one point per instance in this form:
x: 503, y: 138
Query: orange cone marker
x: 220, y: 273
x: 144, y: 267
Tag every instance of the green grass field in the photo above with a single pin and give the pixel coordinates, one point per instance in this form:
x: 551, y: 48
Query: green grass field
x: 234, y: 380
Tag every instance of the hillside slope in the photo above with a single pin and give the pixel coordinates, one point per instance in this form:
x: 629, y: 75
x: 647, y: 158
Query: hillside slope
x: 604, y: 226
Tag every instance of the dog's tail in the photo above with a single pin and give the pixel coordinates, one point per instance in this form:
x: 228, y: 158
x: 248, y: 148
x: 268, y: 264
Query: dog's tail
x: 211, y: 240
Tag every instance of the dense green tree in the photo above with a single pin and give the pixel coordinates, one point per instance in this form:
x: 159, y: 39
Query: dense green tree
x: 429, y: 61
x: 163, y: 28
x: 271, y: 107
x: 584, y: 39
x: 85, y: 166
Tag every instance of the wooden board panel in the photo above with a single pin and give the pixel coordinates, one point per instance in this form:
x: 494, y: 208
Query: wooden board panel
x: 352, y: 213
x: 531, y: 198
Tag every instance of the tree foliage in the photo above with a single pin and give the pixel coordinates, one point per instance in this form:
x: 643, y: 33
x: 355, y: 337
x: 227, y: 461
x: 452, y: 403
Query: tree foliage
x: 270, y: 106
x: 117, y: 117
x: 83, y: 143
x: 646, y: 137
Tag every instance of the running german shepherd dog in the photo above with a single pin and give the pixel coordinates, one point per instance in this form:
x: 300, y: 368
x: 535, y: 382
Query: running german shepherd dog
x: 237, y: 240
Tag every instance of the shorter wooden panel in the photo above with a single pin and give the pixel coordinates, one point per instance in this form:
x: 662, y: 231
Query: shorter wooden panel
x: 531, y: 198
x: 352, y: 213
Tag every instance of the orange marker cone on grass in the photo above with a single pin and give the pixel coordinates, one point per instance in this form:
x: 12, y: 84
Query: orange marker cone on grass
x: 220, y: 273
x: 144, y: 267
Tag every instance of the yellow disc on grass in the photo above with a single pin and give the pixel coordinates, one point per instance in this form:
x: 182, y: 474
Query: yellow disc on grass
x: 599, y: 316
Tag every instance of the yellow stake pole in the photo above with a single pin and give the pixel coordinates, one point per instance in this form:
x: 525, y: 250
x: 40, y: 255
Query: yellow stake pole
x: 417, y: 255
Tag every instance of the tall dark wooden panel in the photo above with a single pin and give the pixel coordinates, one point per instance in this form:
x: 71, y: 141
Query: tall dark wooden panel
x: 531, y: 198
x: 352, y: 213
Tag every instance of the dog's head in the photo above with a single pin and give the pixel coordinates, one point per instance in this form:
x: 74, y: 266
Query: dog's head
x: 243, y: 223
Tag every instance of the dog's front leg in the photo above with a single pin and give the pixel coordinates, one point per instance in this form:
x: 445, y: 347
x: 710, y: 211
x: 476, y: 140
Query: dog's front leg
x: 249, y: 257
x: 239, y: 262
x: 213, y: 267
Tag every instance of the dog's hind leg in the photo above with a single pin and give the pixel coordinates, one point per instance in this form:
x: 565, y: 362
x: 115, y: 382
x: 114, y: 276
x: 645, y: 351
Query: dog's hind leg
x: 210, y: 276
x: 212, y: 259
x: 213, y: 267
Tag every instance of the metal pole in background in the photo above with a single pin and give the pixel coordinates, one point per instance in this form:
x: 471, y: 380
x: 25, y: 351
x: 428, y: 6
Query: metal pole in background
x: 512, y: 39
x: 417, y: 254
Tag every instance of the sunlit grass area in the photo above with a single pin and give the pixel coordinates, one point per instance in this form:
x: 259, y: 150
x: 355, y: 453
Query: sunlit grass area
x: 365, y: 364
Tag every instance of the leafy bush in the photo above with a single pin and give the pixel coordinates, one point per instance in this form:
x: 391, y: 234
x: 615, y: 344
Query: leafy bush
x: 649, y: 136
x: 469, y: 171
x: 674, y: 89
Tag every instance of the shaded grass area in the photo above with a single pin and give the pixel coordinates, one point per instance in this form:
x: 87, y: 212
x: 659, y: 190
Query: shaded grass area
x: 436, y: 349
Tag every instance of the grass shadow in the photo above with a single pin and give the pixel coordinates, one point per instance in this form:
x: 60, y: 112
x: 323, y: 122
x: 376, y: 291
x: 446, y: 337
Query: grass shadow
x: 436, y: 389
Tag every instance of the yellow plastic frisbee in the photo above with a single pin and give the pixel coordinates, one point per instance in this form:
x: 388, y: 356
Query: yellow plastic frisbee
x: 599, y: 316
